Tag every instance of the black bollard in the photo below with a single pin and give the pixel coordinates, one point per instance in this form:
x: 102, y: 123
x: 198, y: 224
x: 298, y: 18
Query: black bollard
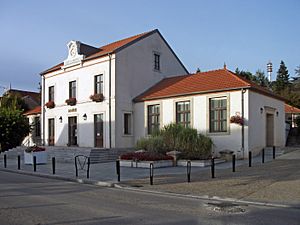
x: 118, y: 170
x: 263, y: 155
x: 250, y: 159
x: 19, y: 162
x: 88, y: 169
x: 233, y: 163
x: 212, y: 167
x: 53, y: 165
x: 188, y: 170
x: 273, y: 152
x: 34, y: 163
x: 76, y: 169
x: 151, y: 173
x: 5, y: 160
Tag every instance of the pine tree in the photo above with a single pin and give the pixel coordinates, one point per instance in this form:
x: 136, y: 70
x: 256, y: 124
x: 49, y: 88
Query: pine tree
x: 282, y: 79
x: 262, y: 80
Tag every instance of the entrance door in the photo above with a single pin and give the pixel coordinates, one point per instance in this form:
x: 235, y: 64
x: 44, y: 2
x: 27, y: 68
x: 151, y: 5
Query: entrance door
x: 270, y: 130
x: 98, y: 130
x: 72, y: 125
x: 51, y: 133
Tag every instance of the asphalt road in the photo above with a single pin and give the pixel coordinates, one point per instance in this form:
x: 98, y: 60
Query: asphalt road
x: 40, y: 201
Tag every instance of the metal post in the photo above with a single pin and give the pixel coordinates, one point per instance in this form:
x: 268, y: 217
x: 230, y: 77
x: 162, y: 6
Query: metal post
x: 76, y: 169
x: 233, y: 163
x: 188, y: 170
x: 19, y: 162
x: 250, y: 158
x: 273, y: 152
x: 212, y: 167
x: 5, y: 160
x: 118, y: 170
x: 88, y: 169
x: 34, y: 163
x: 151, y: 173
x: 53, y: 165
x: 263, y: 155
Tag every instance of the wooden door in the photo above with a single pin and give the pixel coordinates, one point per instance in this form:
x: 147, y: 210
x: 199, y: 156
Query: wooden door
x: 72, y: 128
x: 51, y: 131
x: 98, y: 130
x: 270, y: 130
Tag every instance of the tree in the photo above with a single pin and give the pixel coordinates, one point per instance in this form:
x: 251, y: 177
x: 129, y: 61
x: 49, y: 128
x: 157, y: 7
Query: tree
x: 246, y: 74
x: 13, y: 101
x: 262, y: 80
x: 282, y: 79
x: 14, y: 127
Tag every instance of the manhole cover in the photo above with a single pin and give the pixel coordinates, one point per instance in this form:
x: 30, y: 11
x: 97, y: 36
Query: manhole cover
x: 226, y: 207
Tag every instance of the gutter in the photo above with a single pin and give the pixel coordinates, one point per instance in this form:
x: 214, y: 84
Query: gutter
x: 109, y: 101
x: 43, y: 109
x: 243, y: 91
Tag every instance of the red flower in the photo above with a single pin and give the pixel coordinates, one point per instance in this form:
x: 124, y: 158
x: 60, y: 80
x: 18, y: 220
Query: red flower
x: 145, y: 156
x: 71, y: 101
x: 50, y: 104
x: 97, y: 97
x: 237, y: 119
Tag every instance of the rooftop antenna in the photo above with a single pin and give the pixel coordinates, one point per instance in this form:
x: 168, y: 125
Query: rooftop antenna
x: 225, y: 68
x: 269, y: 69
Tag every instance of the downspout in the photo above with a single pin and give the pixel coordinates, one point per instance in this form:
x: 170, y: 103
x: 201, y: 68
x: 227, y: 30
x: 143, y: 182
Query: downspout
x: 243, y: 124
x: 109, y: 101
x: 43, y: 110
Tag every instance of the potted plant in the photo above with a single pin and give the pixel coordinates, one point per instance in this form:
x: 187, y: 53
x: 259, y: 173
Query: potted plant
x: 39, y: 152
x: 237, y: 120
x: 97, y: 97
x: 71, y: 101
x: 50, y: 104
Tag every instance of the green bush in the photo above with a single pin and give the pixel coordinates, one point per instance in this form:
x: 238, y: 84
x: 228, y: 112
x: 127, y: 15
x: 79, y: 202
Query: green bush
x: 176, y: 137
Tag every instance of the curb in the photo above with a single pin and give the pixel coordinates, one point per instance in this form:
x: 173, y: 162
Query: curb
x: 57, y: 177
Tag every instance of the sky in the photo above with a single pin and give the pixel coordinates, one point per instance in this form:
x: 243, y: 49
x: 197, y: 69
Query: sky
x: 204, y: 34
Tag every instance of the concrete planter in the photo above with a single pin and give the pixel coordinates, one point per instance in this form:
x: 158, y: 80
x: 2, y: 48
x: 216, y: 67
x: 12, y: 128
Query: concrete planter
x: 199, y: 163
x: 41, y: 157
x: 146, y: 164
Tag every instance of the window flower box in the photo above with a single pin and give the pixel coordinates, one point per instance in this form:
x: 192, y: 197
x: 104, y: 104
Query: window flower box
x: 237, y: 120
x: 71, y: 101
x: 38, y: 152
x: 97, y: 97
x: 50, y: 104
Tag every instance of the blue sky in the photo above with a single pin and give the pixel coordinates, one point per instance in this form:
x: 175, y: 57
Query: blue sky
x: 204, y: 34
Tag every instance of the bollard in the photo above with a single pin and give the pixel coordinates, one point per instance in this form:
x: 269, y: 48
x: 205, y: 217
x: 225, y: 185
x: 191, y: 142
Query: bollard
x: 118, y: 170
x: 151, y: 173
x: 273, y: 152
x: 76, y: 169
x: 5, y: 160
x: 53, y: 165
x: 88, y: 169
x: 250, y: 158
x: 233, y: 163
x: 34, y: 163
x: 188, y: 170
x: 263, y: 155
x: 19, y: 162
x: 212, y: 167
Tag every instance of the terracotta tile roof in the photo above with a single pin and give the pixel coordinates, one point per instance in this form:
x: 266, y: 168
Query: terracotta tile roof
x: 36, y: 96
x: 291, y: 109
x: 36, y: 110
x: 106, y: 49
x: 203, y: 82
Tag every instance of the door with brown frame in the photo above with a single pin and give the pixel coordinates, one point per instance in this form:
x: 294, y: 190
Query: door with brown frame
x: 72, y: 130
x: 98, y: 130
x: 270, y: 130
x: 51, y: 131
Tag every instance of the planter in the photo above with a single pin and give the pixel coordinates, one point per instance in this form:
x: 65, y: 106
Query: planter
x: 146, y: 164
x: 199, y: 163
x: 41, y: 157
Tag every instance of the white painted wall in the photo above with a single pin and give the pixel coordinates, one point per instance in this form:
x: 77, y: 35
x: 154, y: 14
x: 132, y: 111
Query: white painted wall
x: 257, y: 121
x: 135, y: 73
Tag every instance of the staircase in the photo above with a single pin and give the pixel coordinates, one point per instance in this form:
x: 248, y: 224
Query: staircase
x: 293, y: 139
x: 106, y: 155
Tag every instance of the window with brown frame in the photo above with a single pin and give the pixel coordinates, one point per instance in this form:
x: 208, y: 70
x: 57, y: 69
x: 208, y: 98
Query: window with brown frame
x: 218, y: 115
x: 51, y: 93
x: 183, y: 113
x: 98, y: 84
x: 156, y: 61
x: 72, y: 89
x: 153, y: 118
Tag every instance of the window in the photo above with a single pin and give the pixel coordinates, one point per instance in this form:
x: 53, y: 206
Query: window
x: 72, y: 89
x: 51, y: 93
x: 183, y: 113
x: 98, y: 84
x: 37, y: 126
x: 156, y: 61
x: 153, y: 118
x: 127, y: 123
x: 218, y: 115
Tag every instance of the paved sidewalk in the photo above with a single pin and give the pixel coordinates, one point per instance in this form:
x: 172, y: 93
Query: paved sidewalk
x: 275, y: 181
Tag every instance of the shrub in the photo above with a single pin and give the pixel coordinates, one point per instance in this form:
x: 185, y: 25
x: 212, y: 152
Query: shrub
x: 145, y: 156
x: 152, y: 144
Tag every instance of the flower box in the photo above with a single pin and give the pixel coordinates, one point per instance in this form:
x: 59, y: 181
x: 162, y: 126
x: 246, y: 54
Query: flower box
x: 71, y: 101
x: 41, y: 157
x: 146, y: 164
x: 237, y: 120
x: 50, y: 104
x: 199, y: 163
x: 97, y: 97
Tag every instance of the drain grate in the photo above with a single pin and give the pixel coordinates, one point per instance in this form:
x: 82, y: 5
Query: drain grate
x: 226, y: 207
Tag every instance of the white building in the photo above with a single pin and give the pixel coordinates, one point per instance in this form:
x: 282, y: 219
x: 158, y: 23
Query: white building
x: 210, y: 102
x: 118, y: 72
x: 114, y: 117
